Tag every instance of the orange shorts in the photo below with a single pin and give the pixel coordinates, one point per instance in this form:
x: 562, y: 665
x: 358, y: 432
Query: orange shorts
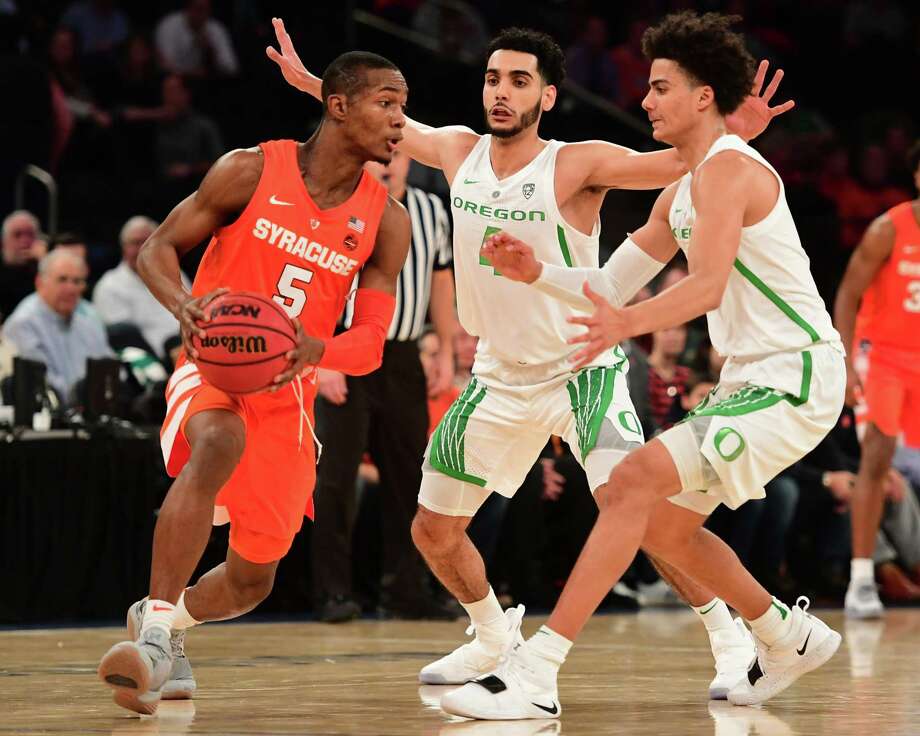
x: 891, y: 391
x: 271, y: 489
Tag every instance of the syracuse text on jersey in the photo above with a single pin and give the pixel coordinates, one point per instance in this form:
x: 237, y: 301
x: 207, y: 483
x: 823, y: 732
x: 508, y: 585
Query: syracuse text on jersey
x: 299, y: 245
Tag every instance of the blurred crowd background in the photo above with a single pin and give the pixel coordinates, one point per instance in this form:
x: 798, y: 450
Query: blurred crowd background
x: 122, y: 107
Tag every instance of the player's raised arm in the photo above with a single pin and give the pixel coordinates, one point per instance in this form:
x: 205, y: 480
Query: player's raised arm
x: 440, y: 148
x: 873, y: 250
x: 609, y: 166
x: 633, y: 264
x: 223, y: 194
x: 359, y: 349
x: 714, y: 242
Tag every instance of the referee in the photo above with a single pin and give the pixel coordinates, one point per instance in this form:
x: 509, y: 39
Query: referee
x: 386, y: 413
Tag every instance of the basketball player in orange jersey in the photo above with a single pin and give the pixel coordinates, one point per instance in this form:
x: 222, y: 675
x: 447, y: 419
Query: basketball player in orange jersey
x: 884, y: 272
x: 294, y: 222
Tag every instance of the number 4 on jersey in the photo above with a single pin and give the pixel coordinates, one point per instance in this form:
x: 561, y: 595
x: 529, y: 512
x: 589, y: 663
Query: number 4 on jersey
x: 483, y: 261
x: 292, y: 298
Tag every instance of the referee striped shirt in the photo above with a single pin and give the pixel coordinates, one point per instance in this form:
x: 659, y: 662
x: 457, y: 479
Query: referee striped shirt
x: 430, y: 251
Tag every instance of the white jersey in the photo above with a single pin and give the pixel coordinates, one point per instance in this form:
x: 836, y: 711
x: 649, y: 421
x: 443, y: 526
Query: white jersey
x: 771, y: 305
x: 519, y: 328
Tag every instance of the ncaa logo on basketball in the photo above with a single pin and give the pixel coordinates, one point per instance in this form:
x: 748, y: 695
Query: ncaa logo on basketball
x: 528, y: 190
x: 350, y: 242
x: 236, y: 310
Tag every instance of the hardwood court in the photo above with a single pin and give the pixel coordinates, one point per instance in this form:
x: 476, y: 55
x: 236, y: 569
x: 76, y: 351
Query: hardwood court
x: 644, y: 674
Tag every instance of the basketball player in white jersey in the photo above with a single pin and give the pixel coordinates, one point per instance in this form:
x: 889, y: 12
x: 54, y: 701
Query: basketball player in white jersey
x: 780, y: 391
x: 523, y: 390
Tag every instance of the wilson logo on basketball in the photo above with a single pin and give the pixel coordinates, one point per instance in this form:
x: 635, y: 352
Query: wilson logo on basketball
x: 236, y: 310
x: 237, y: 343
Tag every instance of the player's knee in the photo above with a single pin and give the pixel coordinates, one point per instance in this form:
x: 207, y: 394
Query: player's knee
x: 628, y: 485
x: 435, y: 533
x: 877, y: 453
x: 218, y: 446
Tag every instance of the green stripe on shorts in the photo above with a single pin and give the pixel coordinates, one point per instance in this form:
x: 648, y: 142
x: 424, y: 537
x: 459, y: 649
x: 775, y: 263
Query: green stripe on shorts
x: 755, y: 398
x: 447, y: 444
x: 590, y: 393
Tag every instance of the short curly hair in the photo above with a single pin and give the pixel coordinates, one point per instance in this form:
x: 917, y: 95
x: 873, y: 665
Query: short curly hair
x: 708, y: 50
x: 550, y: 59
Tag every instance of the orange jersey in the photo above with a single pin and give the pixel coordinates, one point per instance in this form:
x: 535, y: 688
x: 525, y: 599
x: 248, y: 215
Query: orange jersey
x: 287, y: 248
x: 889, y: 315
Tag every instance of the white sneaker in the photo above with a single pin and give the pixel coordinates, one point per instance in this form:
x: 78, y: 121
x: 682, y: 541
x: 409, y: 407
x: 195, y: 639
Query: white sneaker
x: 516, y: 690
x: 137, y: 670
x: 734, y: 651
x: 658, y: 594
x: 470, y: 661
x: 862, y: 600
x: 181, y: 684
x: 809, y: 644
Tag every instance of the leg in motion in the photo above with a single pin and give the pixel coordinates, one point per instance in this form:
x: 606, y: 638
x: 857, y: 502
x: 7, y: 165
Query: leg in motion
x: 138, y: 670
x: 452, y: 557
x: 866, y: 508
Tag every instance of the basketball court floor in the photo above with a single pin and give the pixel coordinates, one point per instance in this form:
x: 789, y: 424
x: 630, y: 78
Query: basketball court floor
x: 628, y: 674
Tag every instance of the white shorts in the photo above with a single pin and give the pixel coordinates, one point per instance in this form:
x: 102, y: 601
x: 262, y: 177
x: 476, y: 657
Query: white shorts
x: 493, y: 433
x: 742, y: 435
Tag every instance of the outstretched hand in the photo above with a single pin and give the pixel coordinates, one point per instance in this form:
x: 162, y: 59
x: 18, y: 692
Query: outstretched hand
x: 607, y: 327
x: 292, y: 68
x: 511, y: 257
x: 754, y: 115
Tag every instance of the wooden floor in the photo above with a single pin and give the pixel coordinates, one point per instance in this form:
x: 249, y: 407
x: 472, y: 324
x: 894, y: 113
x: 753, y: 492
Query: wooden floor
x: 628, y: 674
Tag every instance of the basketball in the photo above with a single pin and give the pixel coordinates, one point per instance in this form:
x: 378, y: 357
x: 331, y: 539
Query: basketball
x: 247, y: 338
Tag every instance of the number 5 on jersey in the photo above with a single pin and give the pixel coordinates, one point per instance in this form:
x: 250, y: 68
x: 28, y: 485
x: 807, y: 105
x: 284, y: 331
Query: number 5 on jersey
x: 291, y: 297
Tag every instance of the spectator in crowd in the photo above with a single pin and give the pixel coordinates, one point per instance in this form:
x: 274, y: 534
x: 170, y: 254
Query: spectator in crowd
x: 455, y: 25
x: 19, y: 261
x: 860, y: 199
x: 429, y: 352
x: 588, y: 61
x: 100, y: 25
x: 122, y: 298
x: 56, y: 326
x: 465, y: 355
x: 187, y: 143
x: 73, y: 242
x: 65, y: 68
x: 192, y: 43
x: 632, y: 68
x: 386, y: 413
x: 667, y: 379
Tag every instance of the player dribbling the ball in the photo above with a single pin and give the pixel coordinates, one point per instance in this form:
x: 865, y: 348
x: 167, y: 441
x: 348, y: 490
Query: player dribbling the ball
x: 293, y: 222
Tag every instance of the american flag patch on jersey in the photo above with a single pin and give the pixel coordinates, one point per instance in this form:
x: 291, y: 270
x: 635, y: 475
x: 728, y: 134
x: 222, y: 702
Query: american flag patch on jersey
x: 355, y: 224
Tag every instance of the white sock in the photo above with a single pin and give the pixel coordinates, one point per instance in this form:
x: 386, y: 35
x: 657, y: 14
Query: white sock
x: 157, y: 615
x: 489, y: 620
x: 862, y: 568
x: 183, y: 619
x: 773, y: 625
x: 714, y: 615
x: 549, y: 647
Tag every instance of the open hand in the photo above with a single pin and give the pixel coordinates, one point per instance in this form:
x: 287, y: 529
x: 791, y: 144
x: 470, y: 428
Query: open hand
x: 607, y: 327
x: 309, y: 351
x: 332, y: 386
x: 755, y: 113
x: 292, y: 68
x: 511, y: 257
x: 191, y: 316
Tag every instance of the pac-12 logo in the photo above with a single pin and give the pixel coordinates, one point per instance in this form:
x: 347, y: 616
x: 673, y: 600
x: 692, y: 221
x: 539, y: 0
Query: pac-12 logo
x: 528, y: 190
